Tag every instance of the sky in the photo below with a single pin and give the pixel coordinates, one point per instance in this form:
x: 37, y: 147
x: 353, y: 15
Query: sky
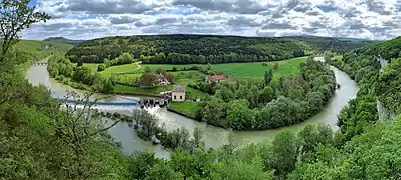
x: 89, y: 19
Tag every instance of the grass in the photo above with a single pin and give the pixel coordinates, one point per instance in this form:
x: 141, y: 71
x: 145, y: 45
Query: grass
x: 256, y: 70
x: 112, y: 69
x: 338, y: 57
x: 38, y: 50
x: 187, y: 108
x: 118, y: 69
x: 242, y: 70
x: 92, y: 66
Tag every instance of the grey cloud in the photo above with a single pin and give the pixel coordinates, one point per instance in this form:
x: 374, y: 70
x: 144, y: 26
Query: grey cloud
x: 312, y: 13
x: 123, y: 19
x: 376, y: 6
x: 278, y: 25
x: 243, y: 21
x: 354, y: 24
x: 142, y: 24
x: 349, y: 13
x: 107, y: 6
x: 167, y: 20
x: 310, y: 29
x: 237, y: 6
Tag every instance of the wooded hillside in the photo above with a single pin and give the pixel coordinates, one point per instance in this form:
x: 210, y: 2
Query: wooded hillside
x: 189, y: 49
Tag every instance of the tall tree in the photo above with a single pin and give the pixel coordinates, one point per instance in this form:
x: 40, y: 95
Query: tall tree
x: 16, y: 15
x: 268, y: 77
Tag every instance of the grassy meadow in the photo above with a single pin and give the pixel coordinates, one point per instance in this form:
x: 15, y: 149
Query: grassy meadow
x: 37, y: 48
x: 241, y: 70
x: 187, y: 108
x: 256, y: 70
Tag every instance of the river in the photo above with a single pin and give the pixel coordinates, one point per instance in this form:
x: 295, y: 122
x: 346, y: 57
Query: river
x: 213, y: 136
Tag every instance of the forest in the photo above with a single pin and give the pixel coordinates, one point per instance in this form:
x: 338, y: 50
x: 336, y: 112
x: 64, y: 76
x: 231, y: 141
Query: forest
x: 200, y: 49
x: 40, y: 140
x: 257, y: 105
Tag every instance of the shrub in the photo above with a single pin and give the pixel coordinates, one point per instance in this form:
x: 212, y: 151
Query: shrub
x: 100, y: 68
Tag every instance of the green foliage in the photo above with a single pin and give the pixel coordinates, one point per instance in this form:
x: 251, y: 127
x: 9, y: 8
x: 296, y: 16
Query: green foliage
x: 196, y: 49
x: 101, y: 68
x: 289, y: 100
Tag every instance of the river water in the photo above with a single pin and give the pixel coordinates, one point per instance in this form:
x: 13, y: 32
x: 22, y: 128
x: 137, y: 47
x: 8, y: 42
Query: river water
x: 213, y: 136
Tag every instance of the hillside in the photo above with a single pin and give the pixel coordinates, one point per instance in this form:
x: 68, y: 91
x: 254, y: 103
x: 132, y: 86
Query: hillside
x: 63, y: 40
x: 39, y: 49
x: 337, y: 45
x: 380, y: 91
x: 190, y: 49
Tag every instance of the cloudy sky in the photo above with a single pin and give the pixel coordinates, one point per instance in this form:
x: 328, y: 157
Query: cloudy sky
x: 88, y: 19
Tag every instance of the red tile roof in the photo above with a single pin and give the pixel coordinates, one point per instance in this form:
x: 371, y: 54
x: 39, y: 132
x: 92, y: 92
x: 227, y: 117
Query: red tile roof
x: 216, y: 77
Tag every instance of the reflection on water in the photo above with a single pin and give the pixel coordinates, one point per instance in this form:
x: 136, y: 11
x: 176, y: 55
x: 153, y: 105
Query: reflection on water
x: 213, y: 136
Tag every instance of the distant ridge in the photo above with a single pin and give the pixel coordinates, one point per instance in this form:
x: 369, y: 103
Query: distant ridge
x: 64, y: 40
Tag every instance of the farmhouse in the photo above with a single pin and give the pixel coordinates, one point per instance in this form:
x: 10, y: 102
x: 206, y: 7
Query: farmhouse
x: 178, y: 93
x: 216, y: 78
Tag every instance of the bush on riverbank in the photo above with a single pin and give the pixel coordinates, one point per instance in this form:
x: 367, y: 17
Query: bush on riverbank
x: 148, y: 128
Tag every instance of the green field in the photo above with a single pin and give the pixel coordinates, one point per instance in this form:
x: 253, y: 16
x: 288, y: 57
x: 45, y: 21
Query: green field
x: 256, y: 70
x: 112, y: 69
x: 241, y: 70
x: 38, y: 49
x: 187, y: 108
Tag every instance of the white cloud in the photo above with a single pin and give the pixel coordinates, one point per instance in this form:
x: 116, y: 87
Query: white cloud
x: 87, y: 19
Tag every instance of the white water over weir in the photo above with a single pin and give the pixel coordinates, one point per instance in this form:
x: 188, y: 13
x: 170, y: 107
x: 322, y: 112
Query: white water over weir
x: 212, y: 136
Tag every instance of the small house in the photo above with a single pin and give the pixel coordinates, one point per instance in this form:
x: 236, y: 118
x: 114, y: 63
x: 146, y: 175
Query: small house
x: 178, y: 93
x: 216, y: 78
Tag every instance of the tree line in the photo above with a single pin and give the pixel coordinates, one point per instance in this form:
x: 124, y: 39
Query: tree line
x: 65, y: 71
x: 187, y: 49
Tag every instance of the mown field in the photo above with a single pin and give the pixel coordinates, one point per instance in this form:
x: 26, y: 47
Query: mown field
x: 236, y: 70
x: 256, y: 70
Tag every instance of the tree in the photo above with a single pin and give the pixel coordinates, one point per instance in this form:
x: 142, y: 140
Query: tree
x: 169, y: 77
x: 239, y: 116
x: 208, y: 67
x: 80, y: 63
x: 100, y: 68
x: 160, y: 70
x: 79, y: 127
x: 212, y: 112
x: 16, y: 15
x: 147, y: 69
x: 276, y: 65
x: 268, y: 77
x: 285, y: 153
x: 139, y: 163
x: 148, y: 80
x: 162, y: 171
x: 225, y: 94
x: 266, y: 95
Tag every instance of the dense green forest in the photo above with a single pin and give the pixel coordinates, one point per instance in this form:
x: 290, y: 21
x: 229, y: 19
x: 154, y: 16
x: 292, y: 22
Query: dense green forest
x: 266, y: 104
x: 40, y: 140
x: 202, y: 49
